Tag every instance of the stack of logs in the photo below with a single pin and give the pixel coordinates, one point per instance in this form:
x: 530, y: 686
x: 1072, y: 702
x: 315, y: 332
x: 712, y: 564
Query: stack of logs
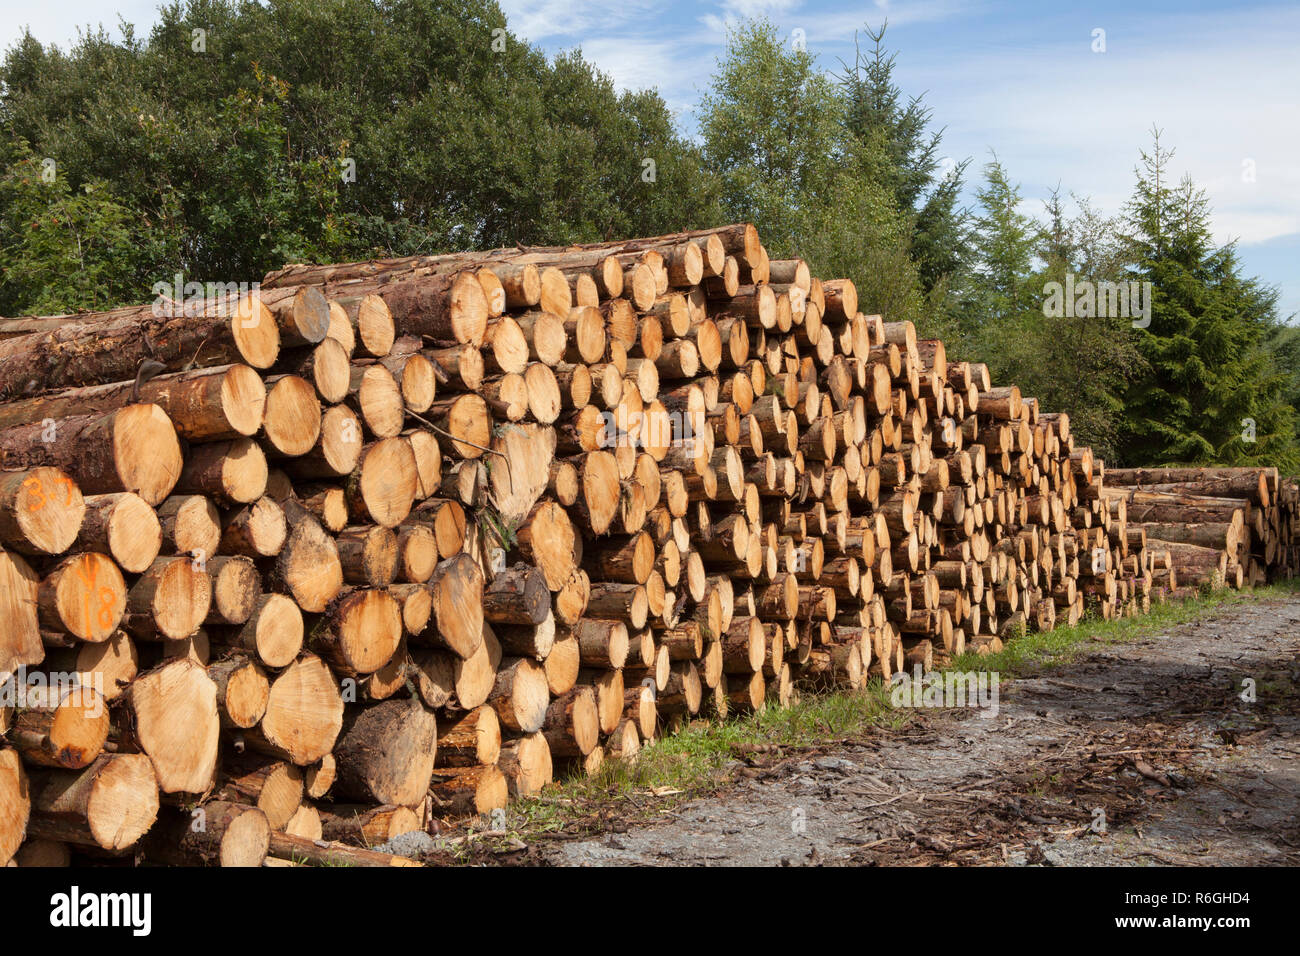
x: 1213, y: 527
x: 285, y: 575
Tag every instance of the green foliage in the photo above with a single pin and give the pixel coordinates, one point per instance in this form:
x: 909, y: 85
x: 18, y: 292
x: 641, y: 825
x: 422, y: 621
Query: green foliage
x: 225, y: 153
x: 64, y: 249
x: 771, y: 133
x: 1282, y: 344
x: 899, y: 150
x: 1005, y: 240
x: 1078, y: 362
x: 1185, y: 390
x: 1085, y: 360
x: 999, y: 314
x: 776, y: 132
x: 1209, y: 381
x: 234, y: 145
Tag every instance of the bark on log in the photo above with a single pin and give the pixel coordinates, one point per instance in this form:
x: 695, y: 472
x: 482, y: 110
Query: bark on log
x: 386, y: 753
x: 110, y: 805
x: 218, y: 833
x: 98, y: 348
x: 131, y: 449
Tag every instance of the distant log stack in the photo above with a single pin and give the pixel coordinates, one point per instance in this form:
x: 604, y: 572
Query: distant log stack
x: 1211, y: 526
x: 391, y: 542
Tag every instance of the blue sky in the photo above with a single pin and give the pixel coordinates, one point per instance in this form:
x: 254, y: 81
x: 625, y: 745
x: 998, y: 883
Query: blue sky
x: 1020, y: 77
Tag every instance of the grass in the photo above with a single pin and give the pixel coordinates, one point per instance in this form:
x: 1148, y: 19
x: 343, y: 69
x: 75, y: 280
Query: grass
x: 1037, y: 650
x: 697, y: 757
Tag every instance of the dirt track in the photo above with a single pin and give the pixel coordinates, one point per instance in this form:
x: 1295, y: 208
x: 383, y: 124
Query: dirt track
x: 1153, y: 733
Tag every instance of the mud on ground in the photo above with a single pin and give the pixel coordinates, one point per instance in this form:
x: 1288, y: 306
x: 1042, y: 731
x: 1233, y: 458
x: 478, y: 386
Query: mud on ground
x: 1138, y: 753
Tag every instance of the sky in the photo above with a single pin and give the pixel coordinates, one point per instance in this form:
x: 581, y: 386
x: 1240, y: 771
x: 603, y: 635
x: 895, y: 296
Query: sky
x: 1061, y: 103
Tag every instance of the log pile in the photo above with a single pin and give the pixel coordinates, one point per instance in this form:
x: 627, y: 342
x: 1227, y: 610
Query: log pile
x: 390, y: 543
x: 1237, y: 527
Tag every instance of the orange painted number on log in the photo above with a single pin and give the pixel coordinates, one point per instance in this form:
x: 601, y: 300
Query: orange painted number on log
x: 36, y: 499
x: 87, y: 575
x: 106, y: 598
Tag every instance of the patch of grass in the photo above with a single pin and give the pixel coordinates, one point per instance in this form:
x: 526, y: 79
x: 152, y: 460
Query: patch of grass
x: 1037, y: 650
x: 695, y: 758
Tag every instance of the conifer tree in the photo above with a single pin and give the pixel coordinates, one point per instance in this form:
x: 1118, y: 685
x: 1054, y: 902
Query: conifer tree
x: 1210, y: 392
x: 904, y: 153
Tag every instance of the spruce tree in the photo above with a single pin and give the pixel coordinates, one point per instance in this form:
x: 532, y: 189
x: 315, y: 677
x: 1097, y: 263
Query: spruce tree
x: 905, y: 155
x: 1001, y: 313
x: 1210, y: 393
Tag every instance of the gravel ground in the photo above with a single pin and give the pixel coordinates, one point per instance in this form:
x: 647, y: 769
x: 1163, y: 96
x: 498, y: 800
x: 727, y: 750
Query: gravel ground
x: 1139, y: 753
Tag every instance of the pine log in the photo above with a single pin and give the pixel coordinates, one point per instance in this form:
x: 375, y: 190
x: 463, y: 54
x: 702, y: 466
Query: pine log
x: 133, y: 448
x: 457, y: 591
x: 242, y: 691
x: 60, y: 726
x: 174, y: 709
x: 300, y: 850
x: 470, y: 739
x: 257, y: 530
x: 206, y: 404
x: 366, y: 825
x: 563, y: 664
x: 85, y: 596
x: 20, y: 642
x: 326, y: 366
x: 517, y: 595
x: 304, y: 714
x: 292, y: 420
x: 469, y: 790
x: 546, y: 539
x: 217, y: 833
x: 319, y: 777
x: 273, y: 786
x: 371, y: 320
x: 337, y: 450
x: 520, y: 694
x: 526, y: 762
x: 302, y: 315
x: 359, y: 632
x: 368, y: 554
x: 41, y: 511
x: 108, y: 666
x: 272, y: 632
x: 233, y: 472
x: 308, y: 566
x: 122, y: 526
x: 190, y: 525
x: 386, y: 753
x: 110, y: 805
x: 170, y: 600
x: 96, y: 348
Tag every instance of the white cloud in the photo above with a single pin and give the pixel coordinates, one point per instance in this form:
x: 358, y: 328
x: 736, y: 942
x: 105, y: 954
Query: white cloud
x: 899, y: 13
x: 539, y: 20
x: 759, y: 8
x: 643, y: 63
x: 1221, y: 88
x: 734, y: 12
x: 836, y: 25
